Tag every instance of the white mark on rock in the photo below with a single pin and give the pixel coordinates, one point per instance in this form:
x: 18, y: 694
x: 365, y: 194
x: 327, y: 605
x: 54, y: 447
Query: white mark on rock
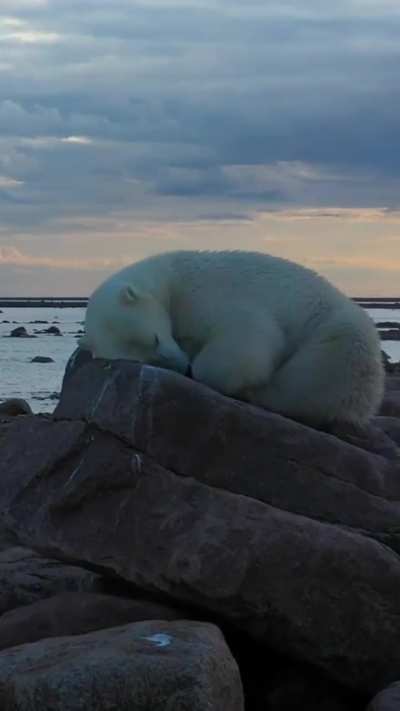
x: 136, y: 464
x: 160, y: 639
x: 103, y: 390
x: 75, y: 472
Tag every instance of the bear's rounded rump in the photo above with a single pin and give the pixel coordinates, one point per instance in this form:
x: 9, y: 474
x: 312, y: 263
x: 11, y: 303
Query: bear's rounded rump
x: 252, y: 326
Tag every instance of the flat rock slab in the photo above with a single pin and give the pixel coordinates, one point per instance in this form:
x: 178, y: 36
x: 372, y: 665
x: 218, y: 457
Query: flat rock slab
x: 26, y: 577
x: 157, y: 665
x: 74, y: 613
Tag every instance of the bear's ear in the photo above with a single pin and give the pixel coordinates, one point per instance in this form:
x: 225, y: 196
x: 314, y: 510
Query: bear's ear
x: 128, y: 294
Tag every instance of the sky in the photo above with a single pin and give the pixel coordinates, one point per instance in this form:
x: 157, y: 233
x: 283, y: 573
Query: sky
x: 130, y: 127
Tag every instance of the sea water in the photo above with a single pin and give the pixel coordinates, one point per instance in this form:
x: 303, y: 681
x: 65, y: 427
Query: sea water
x: 39, y: 383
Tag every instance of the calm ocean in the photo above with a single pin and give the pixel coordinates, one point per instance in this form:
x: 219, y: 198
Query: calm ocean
x: 39, y: 383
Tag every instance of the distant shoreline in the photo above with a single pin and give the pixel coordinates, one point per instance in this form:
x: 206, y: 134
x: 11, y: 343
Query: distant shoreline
x: 44, y: 302
x: 61, y: 302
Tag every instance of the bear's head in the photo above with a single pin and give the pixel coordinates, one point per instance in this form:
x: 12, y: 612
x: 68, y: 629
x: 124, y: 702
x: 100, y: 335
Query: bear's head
x: 124, y: 321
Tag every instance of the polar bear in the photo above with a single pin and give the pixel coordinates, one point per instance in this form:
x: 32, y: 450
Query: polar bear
x: 252, y: 326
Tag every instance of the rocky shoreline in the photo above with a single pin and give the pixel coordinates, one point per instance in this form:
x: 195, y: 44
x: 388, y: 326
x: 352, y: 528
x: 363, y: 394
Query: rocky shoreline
x: 166, y: 547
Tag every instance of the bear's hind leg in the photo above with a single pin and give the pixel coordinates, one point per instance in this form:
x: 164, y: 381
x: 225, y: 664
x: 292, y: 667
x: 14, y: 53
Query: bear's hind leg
x: 234, y: 361
x: 336, y: 377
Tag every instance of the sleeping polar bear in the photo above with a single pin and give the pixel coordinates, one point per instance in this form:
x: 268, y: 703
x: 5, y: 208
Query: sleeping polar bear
x: 252, y: 326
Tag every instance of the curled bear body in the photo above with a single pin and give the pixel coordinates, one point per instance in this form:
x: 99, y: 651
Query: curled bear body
x: 250, y: 325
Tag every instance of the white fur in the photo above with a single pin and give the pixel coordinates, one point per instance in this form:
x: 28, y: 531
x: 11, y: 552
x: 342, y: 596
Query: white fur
x: 252, y: 326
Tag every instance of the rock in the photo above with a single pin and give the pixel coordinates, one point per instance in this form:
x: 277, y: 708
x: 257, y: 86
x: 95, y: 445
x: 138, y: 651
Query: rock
x: 273, y: 683
x: 387, y: 364
x: 20, y: 332
x: 185, y: 428
x: 8, y: 539
x: 391, y: 402
x: 53, y: 330
x: 14, y: 406
x: 386, y: 700
x: 87, y: 612
x: 42, y: 359
x: 392, y: 334
x: 149, y: 476
x: 26, y: 577
x: 371, y: 438
x: 297, y: 689
x: 153, y: 665
x: 388, y: 324
x: 78, y: 358
x: 389, y: 425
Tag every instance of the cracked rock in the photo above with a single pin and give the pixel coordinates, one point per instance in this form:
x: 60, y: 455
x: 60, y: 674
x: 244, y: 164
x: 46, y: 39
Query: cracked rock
x: 287, y: 533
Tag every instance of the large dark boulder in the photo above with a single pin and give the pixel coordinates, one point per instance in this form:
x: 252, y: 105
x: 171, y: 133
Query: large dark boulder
x: 157, y: 665
x: 281, y: 530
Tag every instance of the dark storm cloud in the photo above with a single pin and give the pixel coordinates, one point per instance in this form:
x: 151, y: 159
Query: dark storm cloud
x: 116, y: 106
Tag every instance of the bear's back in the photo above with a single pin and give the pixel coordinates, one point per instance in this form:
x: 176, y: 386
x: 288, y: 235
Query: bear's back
x: 210, y: 288
x: 231, y: 283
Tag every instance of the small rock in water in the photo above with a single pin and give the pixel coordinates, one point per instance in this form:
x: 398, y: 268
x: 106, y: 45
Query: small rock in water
x: 54, y: 330
x: 19, y: 332
x: 15, y: 406
x: 42, y: 359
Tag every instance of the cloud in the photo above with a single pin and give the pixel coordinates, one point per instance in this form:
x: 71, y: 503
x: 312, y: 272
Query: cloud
x: 12, y: 256
x: 30, y: 37
x: 77, y: 140
x: 180, y: 111
x: 6, y: 182
x: 358, y: 215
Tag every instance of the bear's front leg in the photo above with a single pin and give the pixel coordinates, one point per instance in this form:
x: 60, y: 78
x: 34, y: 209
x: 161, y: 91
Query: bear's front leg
x: 239, y: 359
